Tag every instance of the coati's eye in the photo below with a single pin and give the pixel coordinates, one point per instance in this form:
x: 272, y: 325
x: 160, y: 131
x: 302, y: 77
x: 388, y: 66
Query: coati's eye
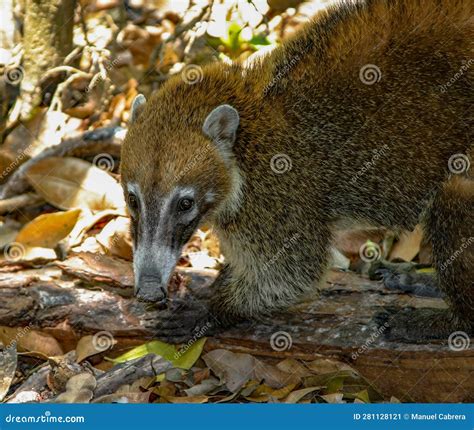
x: 185, y: 204
x: 133, y: 202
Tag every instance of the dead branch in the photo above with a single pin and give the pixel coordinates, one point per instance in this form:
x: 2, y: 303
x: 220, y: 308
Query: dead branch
x: 19, y: 202
x: 130, y: 371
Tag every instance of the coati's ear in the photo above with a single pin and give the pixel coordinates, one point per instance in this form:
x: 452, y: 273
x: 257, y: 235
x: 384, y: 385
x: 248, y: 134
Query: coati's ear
x: 137, y: 107
x: 221, y: 126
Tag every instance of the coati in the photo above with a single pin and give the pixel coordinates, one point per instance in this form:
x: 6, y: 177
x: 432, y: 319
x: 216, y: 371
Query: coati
x: 279, y: 150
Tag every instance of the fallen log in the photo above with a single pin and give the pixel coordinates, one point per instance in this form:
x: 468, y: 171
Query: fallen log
x: 339, y: 322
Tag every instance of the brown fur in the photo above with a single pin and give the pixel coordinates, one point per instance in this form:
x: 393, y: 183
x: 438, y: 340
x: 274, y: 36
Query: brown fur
x: 306, y: 100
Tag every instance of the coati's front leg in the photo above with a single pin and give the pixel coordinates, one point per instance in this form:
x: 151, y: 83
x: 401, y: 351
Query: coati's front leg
x: 260, y: 290
x: 244, y: 295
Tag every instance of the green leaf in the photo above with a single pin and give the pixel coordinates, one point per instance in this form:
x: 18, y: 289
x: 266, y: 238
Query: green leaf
x: 259, y: 40
x: 183, y: 357
x: 233, y: 37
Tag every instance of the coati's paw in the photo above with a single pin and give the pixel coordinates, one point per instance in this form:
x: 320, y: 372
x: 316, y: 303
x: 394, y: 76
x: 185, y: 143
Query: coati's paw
x: 185, y: 320
x: 413, y: 325
x: 418, y: 284
x: 404, y: 277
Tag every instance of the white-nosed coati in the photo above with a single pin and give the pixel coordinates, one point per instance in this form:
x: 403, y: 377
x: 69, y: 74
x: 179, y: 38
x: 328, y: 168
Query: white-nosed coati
x: 277, y: 153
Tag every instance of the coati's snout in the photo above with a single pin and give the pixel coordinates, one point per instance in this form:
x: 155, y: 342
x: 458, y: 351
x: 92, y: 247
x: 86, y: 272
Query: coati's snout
x: 161, y: 226
x: 172, y: 182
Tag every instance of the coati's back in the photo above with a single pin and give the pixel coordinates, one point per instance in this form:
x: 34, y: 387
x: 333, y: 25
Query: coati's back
x: 380, y: 97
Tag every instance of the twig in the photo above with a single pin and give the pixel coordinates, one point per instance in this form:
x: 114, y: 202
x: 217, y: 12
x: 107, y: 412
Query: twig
x: 179, y: 29
x: 18, y: 202
x: 129, y: 372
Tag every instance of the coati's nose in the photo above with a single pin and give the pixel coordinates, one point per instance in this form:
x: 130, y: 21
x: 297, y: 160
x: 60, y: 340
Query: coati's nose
x: 150, y: 289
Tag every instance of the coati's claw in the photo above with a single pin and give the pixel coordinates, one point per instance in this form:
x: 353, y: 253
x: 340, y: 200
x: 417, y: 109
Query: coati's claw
x: 184, y: 320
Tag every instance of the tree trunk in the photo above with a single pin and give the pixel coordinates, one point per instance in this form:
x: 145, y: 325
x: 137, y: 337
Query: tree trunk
x: 47, y: 41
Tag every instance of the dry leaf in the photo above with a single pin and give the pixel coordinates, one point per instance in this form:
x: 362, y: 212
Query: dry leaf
x: 115, y: 238
x: 92, y: 345
x: 264, y: 393
x: 48, y: 230
x: 297, y: 395
x: 235, y: 370
x: 69, y: 183
x: 28, y: 340
x: 408, y: 245
x: 333, y: 398
x: 79, y: 389
x: 8, y: 362
x: 193, y: 399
